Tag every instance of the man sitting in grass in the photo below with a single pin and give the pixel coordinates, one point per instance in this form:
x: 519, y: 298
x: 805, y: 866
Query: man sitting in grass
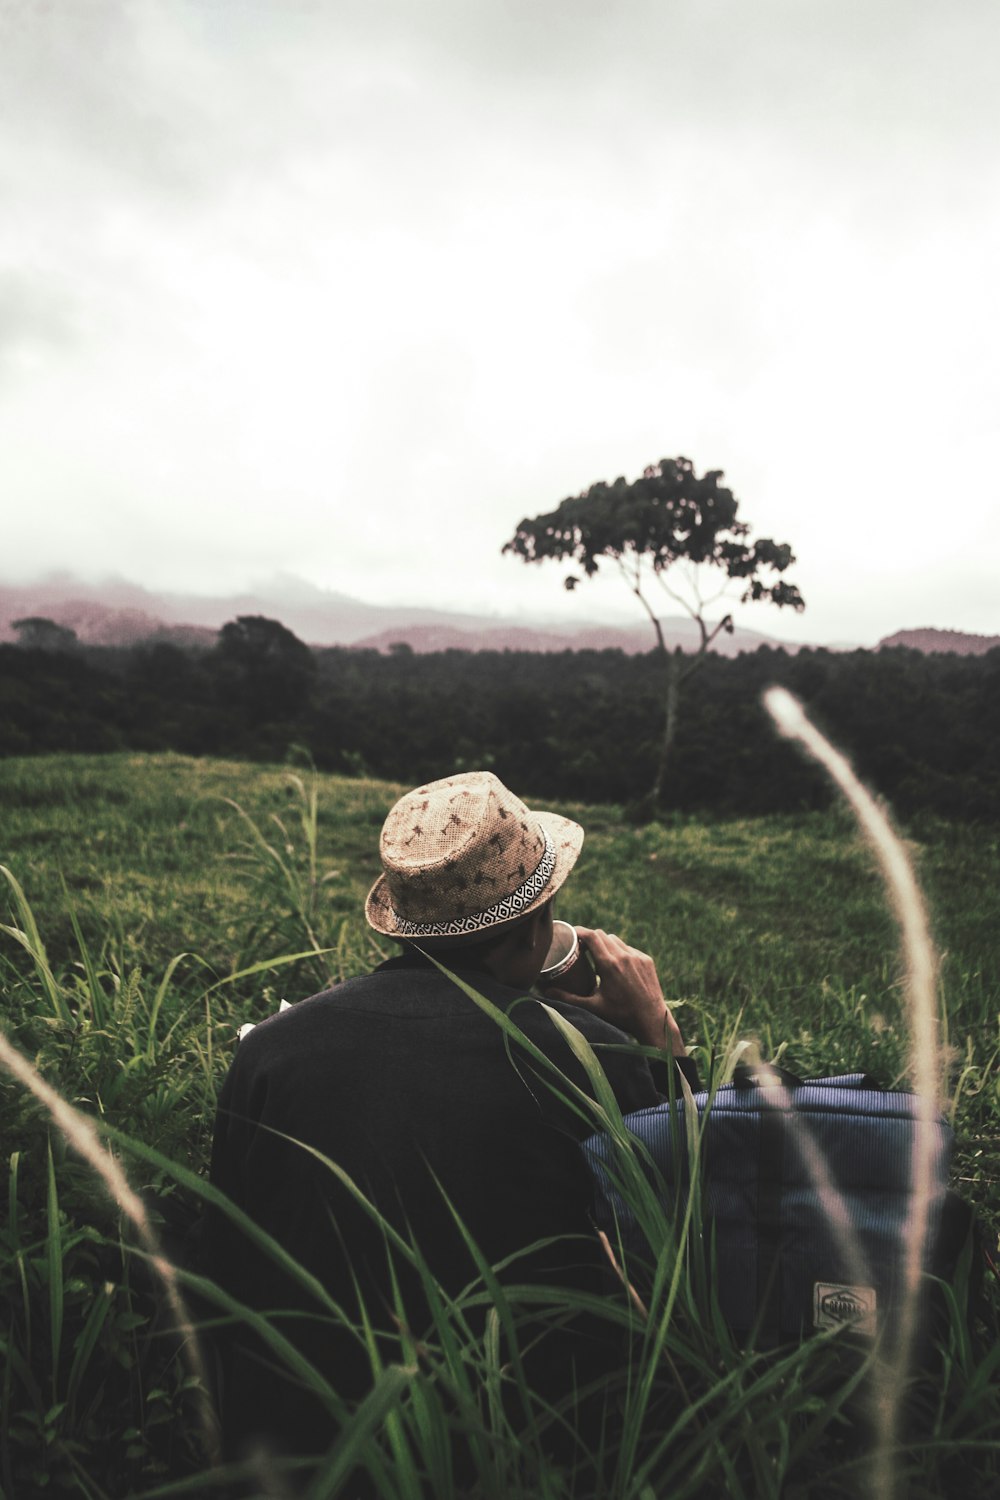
x: 464, y: 1144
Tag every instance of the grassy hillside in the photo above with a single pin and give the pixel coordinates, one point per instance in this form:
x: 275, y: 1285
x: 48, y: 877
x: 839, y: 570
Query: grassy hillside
x: 779, y: 921
x: 162, y: 901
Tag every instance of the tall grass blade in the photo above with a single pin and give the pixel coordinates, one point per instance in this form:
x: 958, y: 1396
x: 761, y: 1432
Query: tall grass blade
x: 158, y: 998
x: 585, y: 1106
x: 27, y: 935
x: 265, y: 965
x: 14, y: 1229
x: 95, y: 990
x: 86, y: 1342
x: 382, y: 1400
x: 54, y: 1267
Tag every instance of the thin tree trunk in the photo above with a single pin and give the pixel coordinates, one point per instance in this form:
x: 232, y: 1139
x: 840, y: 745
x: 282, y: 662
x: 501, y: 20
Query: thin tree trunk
x: 679, y: 669
x: 674, y: 674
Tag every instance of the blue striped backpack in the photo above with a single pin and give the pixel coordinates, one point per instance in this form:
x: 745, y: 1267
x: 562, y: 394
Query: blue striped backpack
x: 806, y: 1199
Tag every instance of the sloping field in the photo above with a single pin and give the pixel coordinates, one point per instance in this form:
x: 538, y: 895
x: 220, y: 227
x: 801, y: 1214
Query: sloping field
x: 154, y: 903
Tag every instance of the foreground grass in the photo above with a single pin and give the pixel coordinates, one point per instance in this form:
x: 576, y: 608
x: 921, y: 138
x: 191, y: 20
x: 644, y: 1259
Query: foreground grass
x: 170, y: 897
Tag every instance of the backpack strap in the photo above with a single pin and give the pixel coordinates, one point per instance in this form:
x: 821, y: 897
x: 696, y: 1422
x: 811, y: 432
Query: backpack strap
x: 764, y: 1075
x: 767, y: 1074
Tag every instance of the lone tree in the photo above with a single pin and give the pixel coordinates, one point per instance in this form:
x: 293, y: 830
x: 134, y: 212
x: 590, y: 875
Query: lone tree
x: 38, y: 633
x: 667, y: 524
x: 264, y: 667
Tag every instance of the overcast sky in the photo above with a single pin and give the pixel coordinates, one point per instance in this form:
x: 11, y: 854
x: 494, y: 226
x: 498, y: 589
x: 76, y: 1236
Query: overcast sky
x: 344, y: 289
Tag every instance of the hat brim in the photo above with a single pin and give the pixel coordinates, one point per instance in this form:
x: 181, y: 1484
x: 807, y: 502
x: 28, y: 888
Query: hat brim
x: 567, y: 839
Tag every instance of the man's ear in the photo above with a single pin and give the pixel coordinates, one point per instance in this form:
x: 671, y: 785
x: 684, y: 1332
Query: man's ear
x: 530, y: 929
x: 521, y: 936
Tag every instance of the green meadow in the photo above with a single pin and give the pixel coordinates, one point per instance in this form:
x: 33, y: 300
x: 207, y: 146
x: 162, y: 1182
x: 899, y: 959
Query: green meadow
x: 154, y: 903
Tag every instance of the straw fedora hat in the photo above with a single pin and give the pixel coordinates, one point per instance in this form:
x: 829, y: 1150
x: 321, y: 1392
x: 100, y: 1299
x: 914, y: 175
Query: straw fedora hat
x: 463, y: 855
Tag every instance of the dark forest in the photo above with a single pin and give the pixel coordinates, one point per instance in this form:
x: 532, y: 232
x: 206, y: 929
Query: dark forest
x: 922, y: 729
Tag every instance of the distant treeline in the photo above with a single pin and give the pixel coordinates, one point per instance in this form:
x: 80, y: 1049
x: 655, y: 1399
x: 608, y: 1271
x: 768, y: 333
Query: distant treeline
x: 923, y: 730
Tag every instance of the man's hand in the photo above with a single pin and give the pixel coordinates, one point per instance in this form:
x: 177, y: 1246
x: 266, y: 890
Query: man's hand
x: 629, y: 993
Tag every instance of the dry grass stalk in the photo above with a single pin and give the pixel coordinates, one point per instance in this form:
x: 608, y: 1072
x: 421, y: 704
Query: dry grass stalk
x: 81, y: 1135
x: 634, y: 1297
x: 925, y: 1067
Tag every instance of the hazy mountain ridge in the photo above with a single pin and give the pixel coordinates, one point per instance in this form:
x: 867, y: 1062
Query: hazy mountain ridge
x: 100, y: 625
x: 510, y: 636
x: 928, y: 638
x: 120, y: 613
x: 117, y: 612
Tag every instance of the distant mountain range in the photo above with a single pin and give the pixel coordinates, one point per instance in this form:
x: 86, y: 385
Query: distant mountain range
x: 119, y: 613
x: 928, y: 639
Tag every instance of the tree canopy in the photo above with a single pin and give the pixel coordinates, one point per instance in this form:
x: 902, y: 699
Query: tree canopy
x: 668, y: 515
x: 38, y: 633
x: 668, y: 521
x: 266, y: 669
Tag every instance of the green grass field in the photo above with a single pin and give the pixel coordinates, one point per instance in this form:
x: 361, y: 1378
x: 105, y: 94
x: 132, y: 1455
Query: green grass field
x: 155, y: 903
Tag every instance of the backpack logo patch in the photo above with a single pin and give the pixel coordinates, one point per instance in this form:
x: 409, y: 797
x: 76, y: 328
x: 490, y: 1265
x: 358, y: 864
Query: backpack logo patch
x: 835, y: 1305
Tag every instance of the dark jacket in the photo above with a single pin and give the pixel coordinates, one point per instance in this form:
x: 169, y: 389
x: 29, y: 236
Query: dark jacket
x: 409, y: 1087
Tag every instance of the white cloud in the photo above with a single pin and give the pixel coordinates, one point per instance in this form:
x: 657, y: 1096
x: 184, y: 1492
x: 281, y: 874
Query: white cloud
x: 349, y: 290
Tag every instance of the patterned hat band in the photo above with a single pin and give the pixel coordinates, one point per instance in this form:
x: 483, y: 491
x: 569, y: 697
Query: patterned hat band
x: 503, y: 911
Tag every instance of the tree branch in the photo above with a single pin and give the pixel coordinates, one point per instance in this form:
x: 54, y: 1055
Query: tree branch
x: 678, y: 598
x: 634, y: 585
x: 707, y: 637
